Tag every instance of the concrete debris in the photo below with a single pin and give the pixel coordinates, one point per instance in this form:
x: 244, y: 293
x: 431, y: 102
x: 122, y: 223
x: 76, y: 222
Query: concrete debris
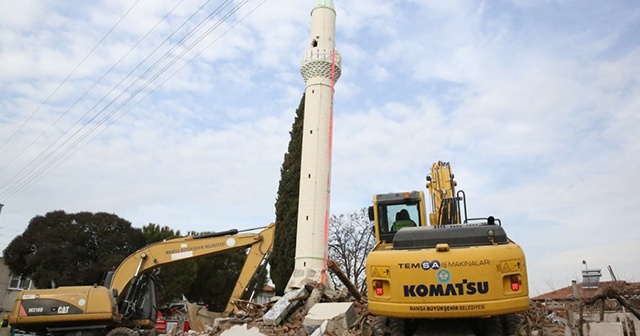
x: 241, y: 331
x: 297, y: 313
x: 200, y: 318
x: 287, y: 302
x: 591, y: 311
x: 316, y: 295
x: 312, y: 311
x: 351, y: 318
x: 341, y: 314
x: 602, y: 329
x: 321, y: 330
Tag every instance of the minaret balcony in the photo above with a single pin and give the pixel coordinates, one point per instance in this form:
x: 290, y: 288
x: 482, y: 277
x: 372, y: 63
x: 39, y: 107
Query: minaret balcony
x: 316, y: 62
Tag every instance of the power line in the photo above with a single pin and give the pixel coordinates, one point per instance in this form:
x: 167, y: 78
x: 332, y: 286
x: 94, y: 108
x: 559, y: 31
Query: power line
x: 29, y: 172
x: 31, y: 166
x: 61, y: 84
x: 16, y: 188
x: 168, y: 77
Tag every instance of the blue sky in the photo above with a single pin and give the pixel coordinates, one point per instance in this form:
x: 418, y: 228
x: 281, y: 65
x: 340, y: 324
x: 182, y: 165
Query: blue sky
x: 536, y: 104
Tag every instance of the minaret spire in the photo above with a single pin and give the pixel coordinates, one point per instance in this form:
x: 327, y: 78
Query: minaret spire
x: 320, y: 70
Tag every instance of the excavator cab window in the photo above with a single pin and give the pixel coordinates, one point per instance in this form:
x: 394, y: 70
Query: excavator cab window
x: 397, y: 216
x: 107, y: 278
x: 394, y: 216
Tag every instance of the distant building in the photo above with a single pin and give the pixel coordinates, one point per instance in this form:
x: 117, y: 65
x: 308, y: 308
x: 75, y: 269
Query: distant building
x: 564, y: 307
x: 10, y: 286
x: 571, y: 293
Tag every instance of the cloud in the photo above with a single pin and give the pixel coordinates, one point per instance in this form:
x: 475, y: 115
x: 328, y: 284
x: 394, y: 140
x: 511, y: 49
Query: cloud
x: 534, y: 104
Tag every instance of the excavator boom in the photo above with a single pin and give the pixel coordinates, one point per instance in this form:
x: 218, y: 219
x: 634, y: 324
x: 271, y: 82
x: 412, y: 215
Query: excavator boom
x: 179, y: 249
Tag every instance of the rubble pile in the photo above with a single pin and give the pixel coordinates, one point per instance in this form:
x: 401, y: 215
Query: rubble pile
x: 543, y: 321
x: 308, y: 311
x: 604, y: 310
x: 314, y: 311
x: 303, y: 320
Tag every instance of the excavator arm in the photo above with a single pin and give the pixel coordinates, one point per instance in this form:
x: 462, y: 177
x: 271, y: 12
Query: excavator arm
x: 442, y: 190
x: 256, y: 258
x: 123, y: 281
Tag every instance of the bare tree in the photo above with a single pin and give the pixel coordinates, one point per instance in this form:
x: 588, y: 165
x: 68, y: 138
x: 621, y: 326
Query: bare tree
x: 350, y: 240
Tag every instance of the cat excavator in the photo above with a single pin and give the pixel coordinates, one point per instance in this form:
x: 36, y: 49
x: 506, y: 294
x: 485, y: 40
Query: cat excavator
x: 456, y: 276
x: 125, y: 304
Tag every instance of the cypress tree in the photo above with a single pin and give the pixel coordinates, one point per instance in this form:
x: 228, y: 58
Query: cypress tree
x: 284, y: 249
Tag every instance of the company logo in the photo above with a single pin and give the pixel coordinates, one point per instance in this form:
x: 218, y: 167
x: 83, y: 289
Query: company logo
x: 425, y: 265
x: 428, y: 265
x: 450, y: 289
x: 466, y: 263
x: 443, y: 276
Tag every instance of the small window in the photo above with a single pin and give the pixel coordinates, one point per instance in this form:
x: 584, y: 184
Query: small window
x: 387, y: 215
x: 19, y: 282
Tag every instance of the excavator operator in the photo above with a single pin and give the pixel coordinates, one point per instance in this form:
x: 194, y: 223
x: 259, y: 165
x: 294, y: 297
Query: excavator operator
x: 402, y: 220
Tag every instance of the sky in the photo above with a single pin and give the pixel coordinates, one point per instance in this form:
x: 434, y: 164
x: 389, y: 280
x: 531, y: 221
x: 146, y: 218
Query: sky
x: 178, y: 113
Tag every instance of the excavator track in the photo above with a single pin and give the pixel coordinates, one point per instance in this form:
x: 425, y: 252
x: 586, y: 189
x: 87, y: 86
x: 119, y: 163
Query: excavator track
x: 122, y: 331
x: 387, y: 326
x: 379, y: 326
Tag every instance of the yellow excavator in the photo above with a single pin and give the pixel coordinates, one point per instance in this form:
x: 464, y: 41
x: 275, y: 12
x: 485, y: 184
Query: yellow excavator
x: 456, y: 276
x: 126, y: 305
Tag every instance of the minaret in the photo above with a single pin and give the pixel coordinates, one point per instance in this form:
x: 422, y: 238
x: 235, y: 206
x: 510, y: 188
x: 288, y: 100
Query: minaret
x: 320, y: 70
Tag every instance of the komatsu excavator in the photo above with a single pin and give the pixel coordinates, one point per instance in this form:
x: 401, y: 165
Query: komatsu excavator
x: 126, y: 305
x: 456, y: 276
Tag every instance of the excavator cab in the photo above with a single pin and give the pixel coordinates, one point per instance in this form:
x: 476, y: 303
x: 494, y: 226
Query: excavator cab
x: 143, y: 303
x: 140, y: 301
x: 394, y: 211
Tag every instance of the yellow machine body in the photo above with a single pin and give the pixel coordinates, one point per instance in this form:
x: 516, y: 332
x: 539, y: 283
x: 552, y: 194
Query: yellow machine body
x: 51, y: 307
x: 454, y: 282
x: 449, y: 269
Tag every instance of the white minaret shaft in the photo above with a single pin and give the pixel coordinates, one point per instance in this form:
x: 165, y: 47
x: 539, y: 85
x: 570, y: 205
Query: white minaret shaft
x: 320, y: 70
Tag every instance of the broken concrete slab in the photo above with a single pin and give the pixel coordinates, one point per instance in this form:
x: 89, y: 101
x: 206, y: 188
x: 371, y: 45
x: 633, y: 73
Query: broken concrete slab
x: 314, y: 297
x: 242, y: 330
x: 603, y: 329
x: 340, y: 313
x: 320, y: 331
x: 281, y: 308
x: 200, y: 318
x: 220, y: 320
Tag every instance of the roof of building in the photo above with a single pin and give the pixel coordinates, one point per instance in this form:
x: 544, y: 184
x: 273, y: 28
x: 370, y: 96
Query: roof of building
x: 566, y: 293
